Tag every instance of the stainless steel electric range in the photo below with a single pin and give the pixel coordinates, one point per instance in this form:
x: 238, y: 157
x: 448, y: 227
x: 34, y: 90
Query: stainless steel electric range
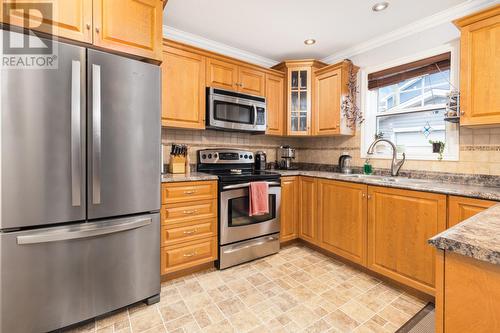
x: 242, y: 237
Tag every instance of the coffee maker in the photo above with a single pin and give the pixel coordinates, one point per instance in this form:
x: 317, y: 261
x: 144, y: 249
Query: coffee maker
x: 285, y: 155
x: 260, y: 161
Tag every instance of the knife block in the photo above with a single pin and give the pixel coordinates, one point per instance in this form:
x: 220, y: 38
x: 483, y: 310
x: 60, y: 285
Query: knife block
x: 177, y: 164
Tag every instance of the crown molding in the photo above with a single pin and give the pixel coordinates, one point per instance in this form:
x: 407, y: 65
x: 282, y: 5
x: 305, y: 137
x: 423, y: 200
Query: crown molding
x: 445, y: 16
x: 211, y: 45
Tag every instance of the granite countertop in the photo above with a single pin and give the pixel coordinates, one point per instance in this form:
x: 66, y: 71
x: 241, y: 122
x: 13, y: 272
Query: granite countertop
x: 477, y: 237
x: 180, y: 177
x: 426, y: 185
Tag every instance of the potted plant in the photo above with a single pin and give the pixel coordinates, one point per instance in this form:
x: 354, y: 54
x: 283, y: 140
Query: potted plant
x: 438, y: 147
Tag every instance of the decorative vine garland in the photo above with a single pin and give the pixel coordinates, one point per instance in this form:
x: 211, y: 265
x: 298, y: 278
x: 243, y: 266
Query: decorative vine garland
x: 350, y: 109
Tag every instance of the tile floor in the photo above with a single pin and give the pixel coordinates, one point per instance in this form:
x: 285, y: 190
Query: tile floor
x: 297, y: 290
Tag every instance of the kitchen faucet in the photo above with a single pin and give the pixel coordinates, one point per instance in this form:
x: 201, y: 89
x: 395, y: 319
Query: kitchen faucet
x: 396, y: 165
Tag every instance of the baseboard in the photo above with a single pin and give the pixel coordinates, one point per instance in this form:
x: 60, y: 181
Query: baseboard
x: 187, y: 271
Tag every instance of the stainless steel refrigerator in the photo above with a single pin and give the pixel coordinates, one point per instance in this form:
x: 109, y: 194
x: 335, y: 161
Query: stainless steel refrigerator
x: 80, y: 189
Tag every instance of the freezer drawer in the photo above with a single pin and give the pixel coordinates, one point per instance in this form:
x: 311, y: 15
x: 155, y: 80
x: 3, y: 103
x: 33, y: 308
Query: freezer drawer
x: 55, y: 277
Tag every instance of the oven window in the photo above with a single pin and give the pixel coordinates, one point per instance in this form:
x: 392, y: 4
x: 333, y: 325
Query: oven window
x: 234, y: 113
x: 238, y: 212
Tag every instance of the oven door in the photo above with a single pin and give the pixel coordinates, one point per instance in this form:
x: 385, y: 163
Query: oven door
x: 233, y: 113
x: 235, y: 222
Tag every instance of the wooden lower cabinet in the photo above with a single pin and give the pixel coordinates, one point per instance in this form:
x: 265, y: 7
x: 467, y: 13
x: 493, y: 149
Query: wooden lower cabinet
x: 471, y: 293
x: 289, y: 210
x: 399, y: 224
x: 188, y: 225
x: 461, y: 208
x: 308, y: 224
x: 186, y: 255
x: 342, y: 219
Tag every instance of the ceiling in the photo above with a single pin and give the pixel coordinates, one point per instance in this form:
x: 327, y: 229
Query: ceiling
x: 276, y: 29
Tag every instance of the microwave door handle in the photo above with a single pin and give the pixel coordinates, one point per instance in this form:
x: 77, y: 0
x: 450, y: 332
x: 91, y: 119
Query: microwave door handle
x: 254, y: 115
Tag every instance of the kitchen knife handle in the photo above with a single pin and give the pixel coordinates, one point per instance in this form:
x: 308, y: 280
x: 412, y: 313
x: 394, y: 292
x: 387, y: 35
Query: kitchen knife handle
x: 96, y: 134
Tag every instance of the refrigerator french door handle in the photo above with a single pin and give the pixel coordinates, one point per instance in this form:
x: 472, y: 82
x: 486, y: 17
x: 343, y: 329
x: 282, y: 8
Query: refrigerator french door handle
x: 76, y: 134
x: 93, y: 231
x: 96, y: 134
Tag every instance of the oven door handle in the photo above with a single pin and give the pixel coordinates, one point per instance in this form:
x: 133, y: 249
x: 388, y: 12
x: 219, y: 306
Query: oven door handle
x: 243, y: 185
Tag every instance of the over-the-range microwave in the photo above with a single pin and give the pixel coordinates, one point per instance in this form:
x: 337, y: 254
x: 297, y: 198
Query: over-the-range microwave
x: 233, y: 111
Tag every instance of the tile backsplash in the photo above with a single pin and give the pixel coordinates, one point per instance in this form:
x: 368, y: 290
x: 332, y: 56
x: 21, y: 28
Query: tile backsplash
x: 479, y: 149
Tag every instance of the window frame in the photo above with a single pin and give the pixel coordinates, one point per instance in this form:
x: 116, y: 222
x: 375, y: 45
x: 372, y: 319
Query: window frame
x: 369, y: 103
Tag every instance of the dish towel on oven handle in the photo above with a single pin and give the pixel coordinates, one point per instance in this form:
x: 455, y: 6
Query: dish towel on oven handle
x: 259, y: 198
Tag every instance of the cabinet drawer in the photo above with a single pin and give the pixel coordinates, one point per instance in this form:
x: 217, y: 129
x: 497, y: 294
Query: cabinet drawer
x: 185, y: 212
x: 188, y: 232
x: 189, y: 254
x: 188, y: 191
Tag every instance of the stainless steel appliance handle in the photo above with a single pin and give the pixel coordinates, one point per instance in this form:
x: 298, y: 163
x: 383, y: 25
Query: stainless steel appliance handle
x: 254, y: 115
x: 96, y: 134
x: 243, y: 185
x: 76, y: 135
x: 85, y: 233
x: 237, y: 248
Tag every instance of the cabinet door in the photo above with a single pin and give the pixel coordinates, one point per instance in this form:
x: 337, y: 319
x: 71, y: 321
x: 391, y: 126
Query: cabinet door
x: 275, y: 100
x: 289, y: 208
x: 460, y: 208
x: 479, y: 68
x: 183, y: 89
x: 129, y: 26
x: 63, y: 18
x: 328, y: 87
x: 308, y: 229
x: 399, y: 224
x: 299, y: 101
x: 251, y: 81
x: 221, y: 74
x: 342, y: 220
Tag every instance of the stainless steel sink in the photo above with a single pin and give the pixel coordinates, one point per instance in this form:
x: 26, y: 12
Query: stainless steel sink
x: 385, y: 179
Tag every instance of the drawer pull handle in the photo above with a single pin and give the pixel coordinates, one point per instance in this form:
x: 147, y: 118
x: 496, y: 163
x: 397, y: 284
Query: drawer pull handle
x: 189, y: 212
x: 189, y: 192
x: 192, y: 254
x: 190, y: 232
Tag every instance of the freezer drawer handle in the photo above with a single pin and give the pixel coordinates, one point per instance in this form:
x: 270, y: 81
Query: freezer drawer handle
x: 96, y: 134
x: 90, y: 232
x: 76, y: 135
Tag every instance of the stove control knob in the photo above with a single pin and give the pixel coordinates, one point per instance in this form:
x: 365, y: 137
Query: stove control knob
x: 246, y: 156
x: 215, y: 155
x: 250, y: 157
x: 209, y: 156
x: 204, y: 156
x: 241, y: 156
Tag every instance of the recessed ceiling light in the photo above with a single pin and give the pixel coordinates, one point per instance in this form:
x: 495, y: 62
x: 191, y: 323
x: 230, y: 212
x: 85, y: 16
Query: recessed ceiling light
x: 380, y: 6
x: 310, y: 41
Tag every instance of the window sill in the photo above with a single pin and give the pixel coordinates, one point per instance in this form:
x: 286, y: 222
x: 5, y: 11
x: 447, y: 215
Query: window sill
x: 411, y: 158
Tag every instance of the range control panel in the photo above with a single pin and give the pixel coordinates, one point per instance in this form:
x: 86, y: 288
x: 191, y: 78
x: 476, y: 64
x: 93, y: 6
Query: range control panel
x: 222, y: 156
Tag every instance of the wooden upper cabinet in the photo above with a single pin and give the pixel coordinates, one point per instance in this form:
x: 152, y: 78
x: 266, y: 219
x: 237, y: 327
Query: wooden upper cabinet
x: 461, y: 208
x: 129, y: 26
x: 342, y: 220
x: 251, y: 81
x: 330, y: 87
x: 222, y: 74
x: 479, y: 68
x: 308, y: 228
x: 399, y: 224
x: 275, y: 100
x: 67, y: 19
x: 183, y: 89
x: 289, y: 208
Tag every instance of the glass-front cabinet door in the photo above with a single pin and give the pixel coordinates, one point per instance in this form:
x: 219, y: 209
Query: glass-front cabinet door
x: 299, y: 104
